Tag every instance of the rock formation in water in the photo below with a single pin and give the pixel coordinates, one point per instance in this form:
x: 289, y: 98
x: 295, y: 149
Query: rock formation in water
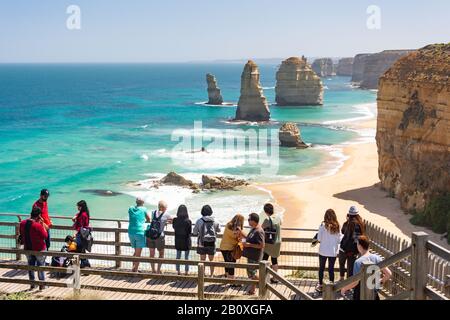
x: 359, y: 63
x: 376, y: 64
x: 252, y: 105
x: 290, y: 136
x: 214, y: 95
x: 297, y: 84
x: 345, y: 67
x: 413, y: 133
x: 324, y: 67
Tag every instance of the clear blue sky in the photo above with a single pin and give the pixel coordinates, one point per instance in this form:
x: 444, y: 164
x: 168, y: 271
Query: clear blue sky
x: 181, y: 30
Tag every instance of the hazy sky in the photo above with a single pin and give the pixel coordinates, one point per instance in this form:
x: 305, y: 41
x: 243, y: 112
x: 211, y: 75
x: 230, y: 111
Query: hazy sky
x: 181, y: 30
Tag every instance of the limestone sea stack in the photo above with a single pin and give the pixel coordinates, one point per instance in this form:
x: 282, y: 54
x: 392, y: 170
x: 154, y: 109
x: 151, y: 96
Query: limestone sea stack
x: 323, y: 67
x: 214, y: 95
x: 298, y: 84
x: 252, y: 105
x: 413, y: 133
x: 376, y: 64
x: 345, y: 67
x: 290, y: 136
x: 359, y: 63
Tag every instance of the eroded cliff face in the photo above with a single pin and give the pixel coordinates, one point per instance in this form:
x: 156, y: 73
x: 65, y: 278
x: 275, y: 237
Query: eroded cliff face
x: 214, y: 94
x: 252, y: 105
x: 359, y: 63
x: 413, y: 130
x: 298, y: 84
x: 324, y: 67
x: 376, y: 64
x: 345, y: 67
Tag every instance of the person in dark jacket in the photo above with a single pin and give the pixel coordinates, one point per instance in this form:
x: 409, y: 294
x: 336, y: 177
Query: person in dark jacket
x: 348, y: 251
x: 183, y: 230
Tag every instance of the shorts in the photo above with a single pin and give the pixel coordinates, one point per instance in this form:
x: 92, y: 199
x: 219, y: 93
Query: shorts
x: 210, y: 251
x: 138, y: 241
x: 251, y: 273
x: 158, y: 244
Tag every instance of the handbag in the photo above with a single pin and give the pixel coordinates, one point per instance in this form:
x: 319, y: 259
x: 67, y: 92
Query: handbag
x: 237, y: 251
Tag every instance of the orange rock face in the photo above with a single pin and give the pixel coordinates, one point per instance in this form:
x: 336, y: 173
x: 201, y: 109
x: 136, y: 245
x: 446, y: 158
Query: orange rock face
x: 413, y: 131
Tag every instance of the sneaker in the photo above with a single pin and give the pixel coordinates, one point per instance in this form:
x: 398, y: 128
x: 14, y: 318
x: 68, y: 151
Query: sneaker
x: 42, y: 288
x: 319, y: 288
x: 273, y: 281
x: 33, y: 287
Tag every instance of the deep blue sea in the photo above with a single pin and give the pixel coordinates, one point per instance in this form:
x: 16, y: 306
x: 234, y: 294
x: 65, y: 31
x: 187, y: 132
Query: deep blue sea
x: 71, y: 128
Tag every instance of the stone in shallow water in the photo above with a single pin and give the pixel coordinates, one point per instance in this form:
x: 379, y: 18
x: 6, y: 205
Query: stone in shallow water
x: 214, y: 94
x: 290, y: 136
x: 102, y: 193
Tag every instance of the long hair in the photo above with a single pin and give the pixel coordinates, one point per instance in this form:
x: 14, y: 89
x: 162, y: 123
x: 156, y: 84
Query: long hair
x: 356, y: 220
x: 182, y: 212
x: 331, y: 222
x: 237, y: 221
x: 84, y: 207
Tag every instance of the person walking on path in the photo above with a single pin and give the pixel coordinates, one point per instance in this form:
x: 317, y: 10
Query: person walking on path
x: 183, y: 231
x: 272, y: 230
x: 42, y: 203
x: 137, y: 216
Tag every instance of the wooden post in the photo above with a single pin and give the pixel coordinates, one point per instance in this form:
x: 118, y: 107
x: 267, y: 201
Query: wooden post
x: 76, y: 276
x: 264, y: 278
x: 366, y: 284
x: 419, y: 265
x: 117, y: 244
x: 328, y: 291
x: 201, y: 281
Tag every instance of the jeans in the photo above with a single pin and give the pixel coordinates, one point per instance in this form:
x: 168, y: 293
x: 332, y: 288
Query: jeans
x: 322, y: 263
x: 36, y: 261
x: 186, y: 257
x: 228, y: 257
x: 350, y: 259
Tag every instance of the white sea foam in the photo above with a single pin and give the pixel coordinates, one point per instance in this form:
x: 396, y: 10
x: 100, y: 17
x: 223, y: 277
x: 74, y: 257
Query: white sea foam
x: 364, y: 109
x: 268, y: 88
x: 223, y: 105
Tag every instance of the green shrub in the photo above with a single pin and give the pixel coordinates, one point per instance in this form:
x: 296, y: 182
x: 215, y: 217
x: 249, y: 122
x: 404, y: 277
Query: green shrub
x: 436, y: 214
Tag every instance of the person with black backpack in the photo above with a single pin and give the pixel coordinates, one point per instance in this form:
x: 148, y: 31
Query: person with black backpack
x: 272, y: 231
x: 155, y: 233
x: 33, y: 234
x: 206, y: 230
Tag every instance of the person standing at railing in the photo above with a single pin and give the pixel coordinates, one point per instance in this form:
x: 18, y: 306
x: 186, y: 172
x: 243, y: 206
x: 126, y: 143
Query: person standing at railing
x: 42, y: 204
x: 155, y: 233
x: 348, y: 251
x: 206, y: 230
x: 82, y: 228
x: 137, y: 216
x: 363, y: 244
x: 33, y: 233
x: 272, y: 230
x: 329, y: 237
x: 230, y: 240
x: 183, y: 231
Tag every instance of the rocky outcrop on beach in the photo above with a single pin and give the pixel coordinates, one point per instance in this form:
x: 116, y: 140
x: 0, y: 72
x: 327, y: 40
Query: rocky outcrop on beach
x: 324, y: 67
x: 359, y: 64
x: 376, y: 64
x: 413, y: 132
x: 345, y: 67
x: 252, y: 105
x: 214, y: 95
x: 297, y: 84
x: 221, y: 183
x: 290, y: 136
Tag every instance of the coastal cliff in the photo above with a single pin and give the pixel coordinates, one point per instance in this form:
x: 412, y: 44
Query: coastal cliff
x: 413, y: 131
x: 297, y: 84
x: 214, y: 95
x: 376, y: 64
x: 359, y: 63
x: 323, y: 67
x: 345, y: 67
x: 252, y: 105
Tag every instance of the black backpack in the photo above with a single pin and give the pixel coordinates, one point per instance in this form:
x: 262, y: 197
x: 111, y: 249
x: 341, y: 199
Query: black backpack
x: 209, y: 234
x: 155, y: 230
x: 270, y: 233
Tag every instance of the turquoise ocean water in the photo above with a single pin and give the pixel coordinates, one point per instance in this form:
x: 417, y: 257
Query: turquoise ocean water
x: 71, y: 128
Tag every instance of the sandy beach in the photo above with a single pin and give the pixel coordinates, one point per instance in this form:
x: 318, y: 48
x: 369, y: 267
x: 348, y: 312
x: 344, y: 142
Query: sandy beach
x: 356, y: 183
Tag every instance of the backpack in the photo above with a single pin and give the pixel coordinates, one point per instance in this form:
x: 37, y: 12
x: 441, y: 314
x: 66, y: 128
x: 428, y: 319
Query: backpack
x: 154, y: 230
x: 270, y: 233
x: 209, y: 234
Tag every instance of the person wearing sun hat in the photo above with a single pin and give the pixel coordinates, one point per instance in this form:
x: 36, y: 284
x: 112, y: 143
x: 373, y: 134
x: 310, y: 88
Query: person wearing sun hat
x: 348, y: 251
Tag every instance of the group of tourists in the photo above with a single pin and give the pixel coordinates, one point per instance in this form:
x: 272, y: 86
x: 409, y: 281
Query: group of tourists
x: 350, y: 245
x: 35, y: 235
x: 259, y: 241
